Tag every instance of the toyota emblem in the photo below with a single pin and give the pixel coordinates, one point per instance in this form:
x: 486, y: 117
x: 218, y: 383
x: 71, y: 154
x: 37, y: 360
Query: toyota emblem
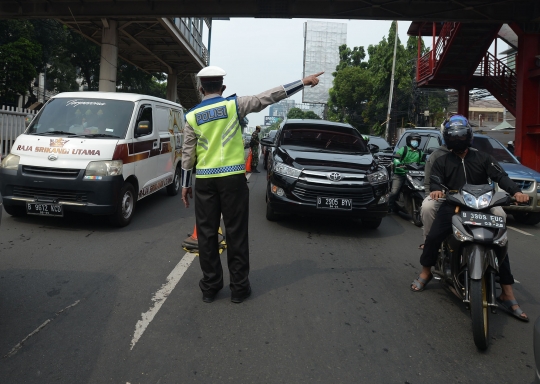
x: 335, y: 176
x: 53, y: 157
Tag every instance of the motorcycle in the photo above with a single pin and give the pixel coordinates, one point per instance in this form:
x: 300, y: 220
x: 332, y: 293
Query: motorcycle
x: 469, y: 258
x: 412, y: 192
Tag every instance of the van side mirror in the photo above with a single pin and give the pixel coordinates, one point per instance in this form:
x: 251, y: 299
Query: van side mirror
x: 143, y: 128
x: 268, y: 142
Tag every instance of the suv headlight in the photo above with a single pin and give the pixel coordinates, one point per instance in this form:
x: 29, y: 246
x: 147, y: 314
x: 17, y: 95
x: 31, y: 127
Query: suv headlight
x: 285, y: 170
x: 10, y: 162
x: 378, y: 177
x: 104, y: 168
x: 477, y: 203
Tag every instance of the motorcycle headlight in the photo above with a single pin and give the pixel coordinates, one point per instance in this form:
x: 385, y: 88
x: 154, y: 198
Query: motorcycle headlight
x: 10, y: 162
x: 285, y: 170
x: 378, y: 177
x: 416, y: 184
x: 477, y: 203
x: 104, y: 168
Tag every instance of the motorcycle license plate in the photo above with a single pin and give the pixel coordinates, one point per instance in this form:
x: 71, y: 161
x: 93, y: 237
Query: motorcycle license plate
x: 482, y: 219
x: 334, y: 203
x: 44, y: 209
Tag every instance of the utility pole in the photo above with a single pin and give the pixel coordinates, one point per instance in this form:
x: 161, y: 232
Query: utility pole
x: 391, y: 86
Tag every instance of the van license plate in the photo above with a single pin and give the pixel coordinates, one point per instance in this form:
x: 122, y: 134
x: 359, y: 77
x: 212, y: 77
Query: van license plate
x: 482, y: 219
x: 334, y: 203
x: 44, y: 209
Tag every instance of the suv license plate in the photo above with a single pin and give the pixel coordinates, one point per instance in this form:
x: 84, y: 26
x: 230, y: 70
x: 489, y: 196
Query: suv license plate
x: 44, y: 209
x: 334, y: 203
x: 482, y: 219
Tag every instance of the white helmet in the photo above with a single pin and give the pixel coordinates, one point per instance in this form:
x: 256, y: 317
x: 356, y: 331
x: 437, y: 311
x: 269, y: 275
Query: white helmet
x: 510, y: 143
x: 211, y: 71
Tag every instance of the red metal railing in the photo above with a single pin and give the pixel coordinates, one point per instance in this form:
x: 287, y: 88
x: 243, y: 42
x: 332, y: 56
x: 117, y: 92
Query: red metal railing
x: 427, y: 64
x: 501, y: 79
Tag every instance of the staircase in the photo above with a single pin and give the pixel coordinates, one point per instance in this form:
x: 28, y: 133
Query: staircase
x: 460, y: 57
x: 499, y: 79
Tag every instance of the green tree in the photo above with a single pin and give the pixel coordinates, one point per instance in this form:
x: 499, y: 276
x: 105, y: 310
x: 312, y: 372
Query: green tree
x: 18, y: 54
x: 295, y: 113
x: 311, y: 115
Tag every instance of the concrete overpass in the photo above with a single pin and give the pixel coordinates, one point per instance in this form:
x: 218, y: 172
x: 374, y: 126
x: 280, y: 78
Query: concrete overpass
x: 525, y: 12
x: 170, y: 45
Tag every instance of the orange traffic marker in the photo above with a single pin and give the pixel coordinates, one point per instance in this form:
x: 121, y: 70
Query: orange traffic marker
x: 248, y: 161
x: 194, y: 235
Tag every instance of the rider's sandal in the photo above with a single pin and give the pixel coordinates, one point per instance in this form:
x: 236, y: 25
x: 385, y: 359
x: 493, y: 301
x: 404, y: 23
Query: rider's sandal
x: 506, y: 306
x: 420, y: 283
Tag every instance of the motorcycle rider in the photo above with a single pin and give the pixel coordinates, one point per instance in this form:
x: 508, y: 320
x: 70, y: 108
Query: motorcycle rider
x: 431, y: 206
x: 465, y: 165
x: 408, y: 154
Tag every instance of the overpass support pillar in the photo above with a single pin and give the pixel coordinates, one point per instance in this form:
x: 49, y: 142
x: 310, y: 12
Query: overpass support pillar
x: 109, y: 56
x: 463, y: 100
x: 528, y: 100
x: 172, y: 94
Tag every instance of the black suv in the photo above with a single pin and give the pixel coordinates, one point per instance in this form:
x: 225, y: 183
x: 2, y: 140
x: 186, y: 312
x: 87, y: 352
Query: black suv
x: 325, y: 168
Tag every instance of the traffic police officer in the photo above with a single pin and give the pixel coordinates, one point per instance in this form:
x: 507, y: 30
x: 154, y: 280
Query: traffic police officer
x: 213, y: 144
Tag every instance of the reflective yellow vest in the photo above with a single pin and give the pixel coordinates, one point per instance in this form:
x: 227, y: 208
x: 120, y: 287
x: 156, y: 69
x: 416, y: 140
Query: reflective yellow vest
x: 220, y: 150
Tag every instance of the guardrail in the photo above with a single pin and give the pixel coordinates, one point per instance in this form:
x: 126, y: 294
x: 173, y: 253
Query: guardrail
x: 427, y: 64
x: 13, y: 122
x: 502, y: 78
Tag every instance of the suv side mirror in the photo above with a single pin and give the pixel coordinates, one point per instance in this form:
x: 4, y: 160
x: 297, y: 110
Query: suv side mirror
x: 143, y: 128
x: 373, y: 148
x: 268, y: 142
x: 431, y: 150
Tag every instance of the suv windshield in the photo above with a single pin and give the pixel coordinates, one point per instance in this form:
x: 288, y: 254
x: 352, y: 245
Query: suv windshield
x: 494, y: 148
x: 326, y: 138
x: 79, y: 116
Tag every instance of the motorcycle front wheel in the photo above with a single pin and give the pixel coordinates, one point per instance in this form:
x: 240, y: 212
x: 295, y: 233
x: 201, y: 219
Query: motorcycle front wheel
x: 479, y: 313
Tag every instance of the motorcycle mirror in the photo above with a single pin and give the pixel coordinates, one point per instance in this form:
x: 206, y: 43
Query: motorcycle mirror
x: 437, y: 180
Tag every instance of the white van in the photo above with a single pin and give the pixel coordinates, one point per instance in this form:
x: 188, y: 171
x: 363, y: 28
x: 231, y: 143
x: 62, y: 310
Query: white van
x: 94, y: 152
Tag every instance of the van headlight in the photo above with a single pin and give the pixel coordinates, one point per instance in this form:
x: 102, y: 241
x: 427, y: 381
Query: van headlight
x: 104, y: 168
x: 10, y: 162
x: 285, y: 170
x: 378, y: 177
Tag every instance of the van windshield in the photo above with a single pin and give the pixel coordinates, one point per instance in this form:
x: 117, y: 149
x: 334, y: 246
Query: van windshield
x: 103, y: 118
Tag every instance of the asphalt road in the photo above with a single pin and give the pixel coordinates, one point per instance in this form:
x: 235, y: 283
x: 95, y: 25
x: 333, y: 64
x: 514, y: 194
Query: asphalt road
x: 331, y: 304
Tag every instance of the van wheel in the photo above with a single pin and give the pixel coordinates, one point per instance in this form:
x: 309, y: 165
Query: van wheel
x: 125, y: 207
x: 15, y: 210
x: 174, y: 188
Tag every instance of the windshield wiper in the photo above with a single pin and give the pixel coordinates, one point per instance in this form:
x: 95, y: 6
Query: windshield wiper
x: 96, y: 135
x: 52, y: 133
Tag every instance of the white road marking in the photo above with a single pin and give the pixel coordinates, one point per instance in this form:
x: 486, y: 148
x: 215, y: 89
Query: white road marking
x: 45, y: 323
x: 519, y: 230
x: 161, y: 295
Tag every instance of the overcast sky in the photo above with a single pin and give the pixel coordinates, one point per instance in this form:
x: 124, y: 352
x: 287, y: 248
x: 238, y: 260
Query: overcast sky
x: 259, y: 54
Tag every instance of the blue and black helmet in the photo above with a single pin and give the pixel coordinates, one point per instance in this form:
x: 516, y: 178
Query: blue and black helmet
x: 457, y: 133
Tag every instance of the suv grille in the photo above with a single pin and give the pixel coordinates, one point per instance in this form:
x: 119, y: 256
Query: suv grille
x: 523, y: 184
x: 50, y: 172
x: 308, y: 193
x: 53, y: 194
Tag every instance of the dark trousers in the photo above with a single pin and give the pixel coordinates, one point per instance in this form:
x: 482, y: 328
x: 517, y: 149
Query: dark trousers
x: 213, y: 196
x: 441, y: 228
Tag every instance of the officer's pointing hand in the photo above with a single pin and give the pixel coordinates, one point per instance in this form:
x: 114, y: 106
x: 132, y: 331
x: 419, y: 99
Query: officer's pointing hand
x: 312, y: 79
x: 185, y: 193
